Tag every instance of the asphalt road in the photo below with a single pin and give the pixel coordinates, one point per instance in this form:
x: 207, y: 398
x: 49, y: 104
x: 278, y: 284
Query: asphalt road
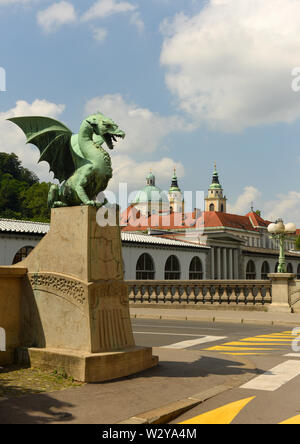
x: 271, y: 396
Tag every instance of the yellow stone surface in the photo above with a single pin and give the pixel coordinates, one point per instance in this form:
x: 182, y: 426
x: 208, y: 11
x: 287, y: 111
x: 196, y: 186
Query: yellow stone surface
x: 74, y: 300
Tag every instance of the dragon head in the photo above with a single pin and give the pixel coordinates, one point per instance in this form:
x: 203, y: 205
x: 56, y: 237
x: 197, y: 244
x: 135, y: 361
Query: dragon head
x: 105, y: 129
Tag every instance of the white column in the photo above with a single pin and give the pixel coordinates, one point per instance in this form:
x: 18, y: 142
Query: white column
x: 224, y: 263
x: 212, y: 265
x: 230, y: 259
x: 219, y: 263
x: 235, y: 265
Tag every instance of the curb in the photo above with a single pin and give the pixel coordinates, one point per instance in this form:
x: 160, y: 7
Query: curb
x: 215, y: 319
x: 171, y: 411
x: 167, y: 413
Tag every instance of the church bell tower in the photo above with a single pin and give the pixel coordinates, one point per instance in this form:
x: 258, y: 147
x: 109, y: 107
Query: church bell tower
x: 215, y: 200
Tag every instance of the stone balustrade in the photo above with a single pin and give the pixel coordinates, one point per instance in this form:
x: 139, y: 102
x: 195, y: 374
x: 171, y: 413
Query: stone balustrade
x: 208, y: 292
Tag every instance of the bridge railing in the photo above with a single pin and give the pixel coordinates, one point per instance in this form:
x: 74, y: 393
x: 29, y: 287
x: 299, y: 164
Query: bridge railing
x: 206, y: 292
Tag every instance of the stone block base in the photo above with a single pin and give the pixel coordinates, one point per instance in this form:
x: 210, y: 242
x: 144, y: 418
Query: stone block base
x: 279, y: 308
x: 93, y: 367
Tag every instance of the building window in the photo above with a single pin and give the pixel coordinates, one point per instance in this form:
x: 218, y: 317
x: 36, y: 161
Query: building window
x: 298, y: 272
x: 145, y: 268
x: 250, y: 270
x: 265, y: 270
x: 276, y: 267
x: 172, y: 269
x: 196, y: 270
x: 289, y: 268
x: 211, y: 207
x: 22, y: 254
x: 222, y: 208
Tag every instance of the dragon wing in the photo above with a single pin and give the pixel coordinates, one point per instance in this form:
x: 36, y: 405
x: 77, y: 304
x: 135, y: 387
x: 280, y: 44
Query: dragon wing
x: 52, y: 138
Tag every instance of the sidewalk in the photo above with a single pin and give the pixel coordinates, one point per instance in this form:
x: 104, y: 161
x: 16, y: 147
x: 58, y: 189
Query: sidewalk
x: 249, y: 317
x: 181, y: 381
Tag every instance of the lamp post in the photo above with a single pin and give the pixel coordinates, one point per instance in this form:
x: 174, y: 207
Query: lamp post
x: 280, y: 232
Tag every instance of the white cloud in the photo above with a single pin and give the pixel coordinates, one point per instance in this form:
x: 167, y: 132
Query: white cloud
x: 285, y: 206
x: 12, y: 139
x: 137, y: 21
x: 106, y: 8
x: 146, y: 131
x: 12, y: 2
x: 56, y: 15
x: 244, y: 202
x: 128, y: 170
x: 100, y: 34
x: 230, y: 65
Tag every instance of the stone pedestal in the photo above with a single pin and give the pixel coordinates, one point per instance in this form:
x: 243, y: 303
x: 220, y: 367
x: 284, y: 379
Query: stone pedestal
x: 76, y: 308
x: 280, y: 292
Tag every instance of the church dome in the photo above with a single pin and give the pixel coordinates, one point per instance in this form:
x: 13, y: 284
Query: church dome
x: 150, y: 193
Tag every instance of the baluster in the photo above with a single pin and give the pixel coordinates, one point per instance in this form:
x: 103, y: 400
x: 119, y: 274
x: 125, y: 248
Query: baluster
x: 161, y: 295
x: 232, y: 298
x: 250, y: 296
x: 241, y: 299
x: 207, y: 297
x: 168, y: 295
x: 176, y: 295
x: 259, y: 296
x: 224, y: 297
x: 185, y: 297
x: 216, y: 296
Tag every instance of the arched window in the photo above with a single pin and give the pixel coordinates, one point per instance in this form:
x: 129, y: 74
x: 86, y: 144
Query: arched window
x: 196, y: 270
x: 211, y: 207
x: 22, y: 254
x: 289, y: 268
x: 276, y: 267
x: 265, y: 270
x: 298, y: 272
x: 145, y: 268
x: 250, y: 270
x: 172, y: 268
x: 222, y: 208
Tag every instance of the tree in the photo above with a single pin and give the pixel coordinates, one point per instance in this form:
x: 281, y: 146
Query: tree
x: 22, y: 196
x: 297, y: 243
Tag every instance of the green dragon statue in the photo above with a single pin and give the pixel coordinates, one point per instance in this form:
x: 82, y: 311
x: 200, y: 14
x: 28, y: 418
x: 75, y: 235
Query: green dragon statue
x: 78, y: 161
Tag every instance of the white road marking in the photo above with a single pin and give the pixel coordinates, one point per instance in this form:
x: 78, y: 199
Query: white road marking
x: 193, y: 342
x: 176, y: 327
x: 293, y: 355
x: 164, y: 334
x: 275, y: 378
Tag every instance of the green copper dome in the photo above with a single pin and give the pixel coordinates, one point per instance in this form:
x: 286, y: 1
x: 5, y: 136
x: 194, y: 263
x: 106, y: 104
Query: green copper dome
x: 174, y: 185
x: 215, y: 182
x: 151, y: 193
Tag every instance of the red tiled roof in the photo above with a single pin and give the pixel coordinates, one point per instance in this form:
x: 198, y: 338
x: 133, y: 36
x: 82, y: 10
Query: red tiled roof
x: 133, y: 221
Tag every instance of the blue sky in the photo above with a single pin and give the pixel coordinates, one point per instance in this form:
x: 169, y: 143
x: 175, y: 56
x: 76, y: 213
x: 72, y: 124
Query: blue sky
x: 191, y: 82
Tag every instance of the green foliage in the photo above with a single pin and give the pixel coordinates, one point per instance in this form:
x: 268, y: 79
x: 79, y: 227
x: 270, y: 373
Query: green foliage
x: 258, y: 212
x: 22, y: 196
x: 297, y: 243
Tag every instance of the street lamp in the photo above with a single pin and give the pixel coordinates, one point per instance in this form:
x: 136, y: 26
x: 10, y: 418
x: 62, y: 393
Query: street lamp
x: 280, y: 232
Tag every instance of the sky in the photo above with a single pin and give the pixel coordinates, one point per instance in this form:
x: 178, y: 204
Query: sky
x: 191, y: 82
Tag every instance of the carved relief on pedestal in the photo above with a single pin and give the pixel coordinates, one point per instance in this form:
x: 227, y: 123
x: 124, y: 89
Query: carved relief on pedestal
x: 59, y: 285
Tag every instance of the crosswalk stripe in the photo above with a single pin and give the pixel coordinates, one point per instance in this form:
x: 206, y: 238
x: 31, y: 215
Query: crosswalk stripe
x: 225, y: 348
x: 293, y: 355
x: 222, y: 415
x: 258, y: 339
x: 295, y: 420
x: 273, y: 379
x: 194, y: 342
